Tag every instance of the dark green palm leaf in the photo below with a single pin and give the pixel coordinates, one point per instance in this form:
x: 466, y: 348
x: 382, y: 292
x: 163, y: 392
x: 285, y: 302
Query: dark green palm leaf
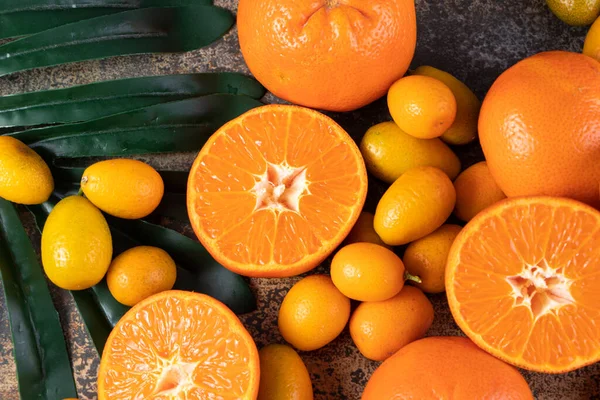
x: 147, y: 30
x: 171, y: 127
x: 24, y: 17
x: 96, y: 100
x: 43, y: 367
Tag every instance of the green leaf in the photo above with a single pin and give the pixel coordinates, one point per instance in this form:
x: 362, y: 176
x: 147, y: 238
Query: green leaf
x: 208, y: 276
x: 171, y: 127
x: 43, y: 367
x: 24, y: 17
x: 96, y: 100
x: 173, y: 205
x: 147, y: 30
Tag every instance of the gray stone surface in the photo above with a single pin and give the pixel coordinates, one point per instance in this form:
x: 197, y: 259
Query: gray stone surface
x: 473, y: 39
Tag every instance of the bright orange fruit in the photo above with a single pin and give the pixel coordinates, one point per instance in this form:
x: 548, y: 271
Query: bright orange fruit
x: 523, y: 282
x: 336, y: 55
x: 276, y: 190
x: 540, y: 127
x: 180, y: 345
x: 445, y: 368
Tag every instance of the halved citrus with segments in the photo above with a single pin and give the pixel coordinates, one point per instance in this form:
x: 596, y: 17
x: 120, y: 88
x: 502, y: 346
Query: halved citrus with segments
x: 179, y: 345
x: 275, y: 191
x: 523, y: 282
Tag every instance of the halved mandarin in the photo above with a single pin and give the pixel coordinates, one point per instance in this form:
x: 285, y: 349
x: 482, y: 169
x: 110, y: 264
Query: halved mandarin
x: 273, y: 192
x: 523, y: 282
x: 179, y: 345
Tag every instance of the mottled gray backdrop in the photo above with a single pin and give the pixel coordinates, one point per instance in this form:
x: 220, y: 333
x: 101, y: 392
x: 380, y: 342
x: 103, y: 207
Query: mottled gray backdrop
x: 473, y: 39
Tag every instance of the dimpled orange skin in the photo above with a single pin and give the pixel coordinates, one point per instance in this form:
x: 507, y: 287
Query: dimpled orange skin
x: 367, y: 272
x: 336, y: 55
x: 422, y: 106
x: 363, y: 231
x: 540, y: 127
x: 381, y: 328
x: 445, y: 368
x: 313, y: 313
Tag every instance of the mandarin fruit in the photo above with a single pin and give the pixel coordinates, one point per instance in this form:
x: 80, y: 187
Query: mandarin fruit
x: 415, y: 205
x: 313, y: 313
x: 427, y: 257
x: 381, y: 328
x: 422, y: 106
x: 367, y: 272
x: 363, y: 231
x: 539, y: 127
x: 283, y: 375
x: 24, y: 176
x: 591, y: 47
x: 140, y: 272
x: 445, y: 368
x: 464, y: 128
x: 523, y: 279
x: 334, y: 55
x: 389, y: 152
x: 182, y: 345
x: 476, y: 190
x: 76, y: 244
x: 124, y: 188
x: 275, y: 191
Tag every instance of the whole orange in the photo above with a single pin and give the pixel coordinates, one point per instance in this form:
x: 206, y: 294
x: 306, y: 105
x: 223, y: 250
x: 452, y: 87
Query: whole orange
x: 540, y: 127
x: 445, y: 368
x: 336, y: 55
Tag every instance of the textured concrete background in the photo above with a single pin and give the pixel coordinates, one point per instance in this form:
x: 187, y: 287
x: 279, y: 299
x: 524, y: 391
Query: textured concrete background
x: 473, y: 39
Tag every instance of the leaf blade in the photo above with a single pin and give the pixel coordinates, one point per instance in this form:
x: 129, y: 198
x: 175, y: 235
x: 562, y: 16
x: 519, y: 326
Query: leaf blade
x: 178, y: 126
x: 97, y: 100
x: 141, y: 31
x: 24, y: 17
x: 43, y: 367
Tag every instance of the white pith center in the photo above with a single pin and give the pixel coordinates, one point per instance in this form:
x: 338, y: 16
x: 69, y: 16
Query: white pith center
x: 280, y: 188
x: 541, y: 288
x: 176, y: 377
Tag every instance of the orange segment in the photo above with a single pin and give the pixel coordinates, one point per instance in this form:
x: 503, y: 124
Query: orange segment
x: 276, y: 190
x: 523, y: 279
x: 179, y: 345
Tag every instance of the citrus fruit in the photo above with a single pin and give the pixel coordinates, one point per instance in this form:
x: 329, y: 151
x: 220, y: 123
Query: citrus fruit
x: 389, y: 152
x: 426, y: 258
x: 124, y: 188
x: 381, y: 328
x: 363, y: 231
x: 464, y: 128
x: 476, y: 190
x: 76, y: 244
x: 276, y: 190
x: 283, y: 375
x: 422, y: 106
x: 140, y: 272
x: 445, y: 368
x: 182, y: 345
x: 539, y: 127
x: 523, y: 279
x: 313, y: 313
x: 414, y: 206
x: 575, y: 12
x: 327, y: 54
x: 24, y: 176
x: 591, y: 46
x: 367, y: 272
